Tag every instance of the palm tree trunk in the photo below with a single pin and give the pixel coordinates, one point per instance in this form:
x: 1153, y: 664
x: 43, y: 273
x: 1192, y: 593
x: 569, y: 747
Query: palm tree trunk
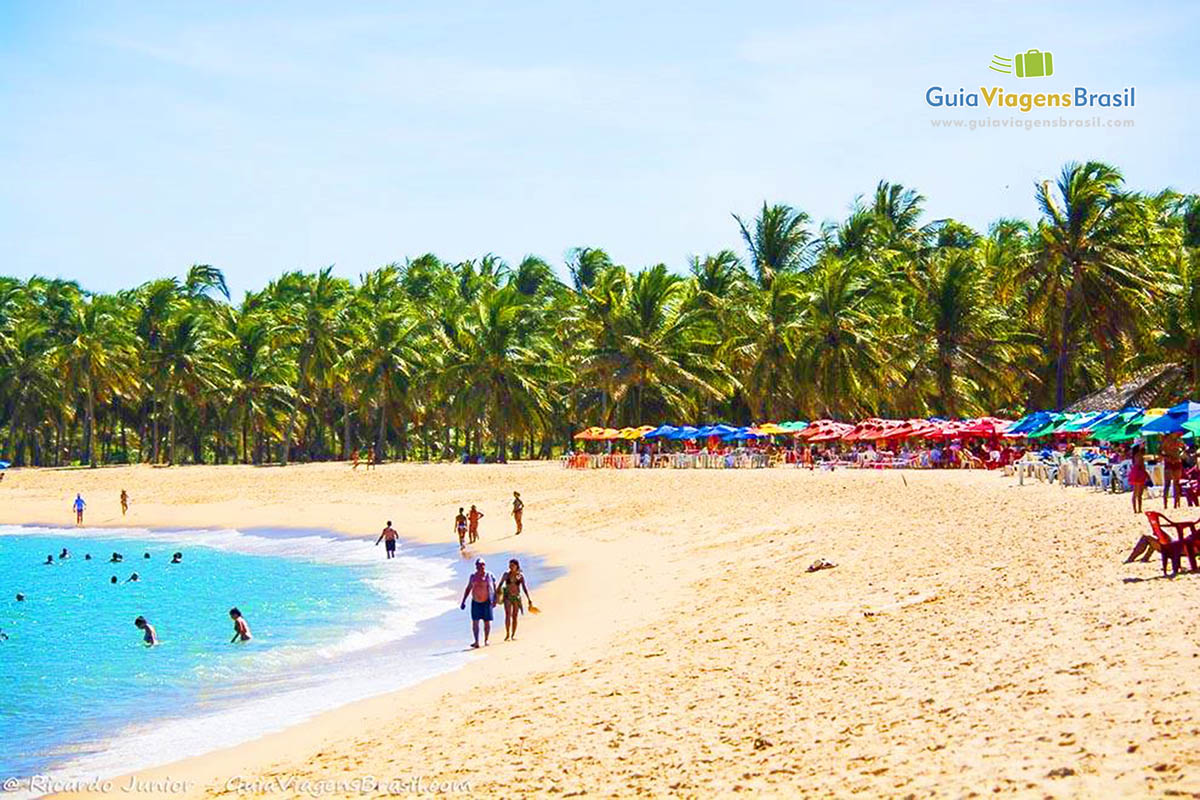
x: 90, y: 433
x: 12, y: 424
x: 379, y: 438
x: 1060, y: 366
x: 155, y: 443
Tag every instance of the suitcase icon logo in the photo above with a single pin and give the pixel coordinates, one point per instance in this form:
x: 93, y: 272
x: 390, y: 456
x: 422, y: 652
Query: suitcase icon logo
x: 1030, y: 64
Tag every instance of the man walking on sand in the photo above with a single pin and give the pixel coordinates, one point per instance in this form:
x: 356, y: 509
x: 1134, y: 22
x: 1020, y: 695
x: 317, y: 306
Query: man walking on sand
x: 79, y: 506
x: 518, y: 510
x: 481, y: 587
x: 388, y: 537
x: 473, y: 517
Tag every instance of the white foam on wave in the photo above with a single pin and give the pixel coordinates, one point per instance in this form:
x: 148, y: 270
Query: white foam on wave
x: 270, y: 690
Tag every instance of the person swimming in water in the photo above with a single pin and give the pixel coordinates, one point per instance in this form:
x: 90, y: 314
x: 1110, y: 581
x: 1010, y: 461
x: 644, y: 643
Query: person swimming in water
x: 64, y: 555
x: 145, y: 555
x: 177, y: 558
x: 509, y: 591
x: 113, y: 579
x: 241, y: 631
x: 79, y: 506
x: 388, y: 536
x: 473, y: 517
x: 149, y: 635
x: 124, y: 502
x: 20, y: 597
x: 117, y: 558
x: 134, y: 578
x: 460, y: 527
x: 87, y: 556
x: 48, y: 562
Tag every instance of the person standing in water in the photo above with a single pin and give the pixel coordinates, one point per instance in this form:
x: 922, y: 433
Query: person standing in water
x: 460, y: 527
x: 481, y: 588
x: 79, y: 506
x: 388, y: 536
x: 511, y: 585
x: 149, y: 636
x: 241, y: 631
x: 518, y: 510
x: 473, y: 517
x: 124, y: 502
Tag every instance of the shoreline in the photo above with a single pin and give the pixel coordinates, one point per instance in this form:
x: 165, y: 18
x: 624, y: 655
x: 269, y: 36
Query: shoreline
x: 422, y: 647
x: 975, y: 635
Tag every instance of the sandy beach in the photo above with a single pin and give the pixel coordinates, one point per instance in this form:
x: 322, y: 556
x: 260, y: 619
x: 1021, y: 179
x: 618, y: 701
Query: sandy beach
x: 975, y: 638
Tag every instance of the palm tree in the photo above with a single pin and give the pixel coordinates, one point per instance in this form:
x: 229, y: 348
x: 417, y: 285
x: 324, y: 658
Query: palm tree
x: 1094, y: 271
x: 190, y: 365
x: 841, y: 340
x: 763, y: 349
x: 965, y: 340
x: 310, y: 306
x: 780, y: 241
x: 96, y: 354
x: 499, y: 368
x: 653, y: 350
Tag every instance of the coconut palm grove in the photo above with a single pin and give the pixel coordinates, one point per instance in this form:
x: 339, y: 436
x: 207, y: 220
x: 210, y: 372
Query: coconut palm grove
x: 887, y: 313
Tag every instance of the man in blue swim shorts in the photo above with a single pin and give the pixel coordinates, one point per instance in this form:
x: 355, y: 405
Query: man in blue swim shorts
x: 481, y: 587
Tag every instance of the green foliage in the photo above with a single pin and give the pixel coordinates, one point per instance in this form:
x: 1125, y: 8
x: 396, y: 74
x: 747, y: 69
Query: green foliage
x: 884, y: 312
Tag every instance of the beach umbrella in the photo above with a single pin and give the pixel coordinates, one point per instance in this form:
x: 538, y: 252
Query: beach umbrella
x: 1192, y: 426
x: 1028, y: 423
x: 1133, y: 428
x: 590, y: 434
x: 660, y: 431
x: 1047, y: 427
x: 794, y: 426
x: 684, y: 432
x: 1088, y: 422
x: 1172, y: 421
x: 4, y: 465
x: 772, y: 429
x: 835, y: 430
x: 1114, y: 425
x: 608, y: 434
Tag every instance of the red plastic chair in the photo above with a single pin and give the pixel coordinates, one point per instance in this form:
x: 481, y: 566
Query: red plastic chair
x: 1172, y: 550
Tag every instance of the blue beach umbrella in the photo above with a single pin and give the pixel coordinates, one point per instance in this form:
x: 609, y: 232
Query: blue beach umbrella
x: 1172, y: 421
x: 4, y: 465
x: 661, y: 430
x: 1028, y: 423
x: 684, y: 432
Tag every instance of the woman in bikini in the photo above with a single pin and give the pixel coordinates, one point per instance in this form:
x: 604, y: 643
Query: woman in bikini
x: 511, y: 585
x: 1138, y: 477
x: 460, y: 527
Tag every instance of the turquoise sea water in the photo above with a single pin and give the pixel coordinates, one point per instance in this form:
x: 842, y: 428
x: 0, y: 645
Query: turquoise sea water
x: 332, y: 622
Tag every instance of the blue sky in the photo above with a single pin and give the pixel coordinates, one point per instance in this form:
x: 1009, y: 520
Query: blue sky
x: 139, y: 138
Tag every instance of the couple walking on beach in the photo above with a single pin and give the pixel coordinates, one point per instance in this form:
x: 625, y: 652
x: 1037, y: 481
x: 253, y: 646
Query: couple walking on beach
x: 485, y: 595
